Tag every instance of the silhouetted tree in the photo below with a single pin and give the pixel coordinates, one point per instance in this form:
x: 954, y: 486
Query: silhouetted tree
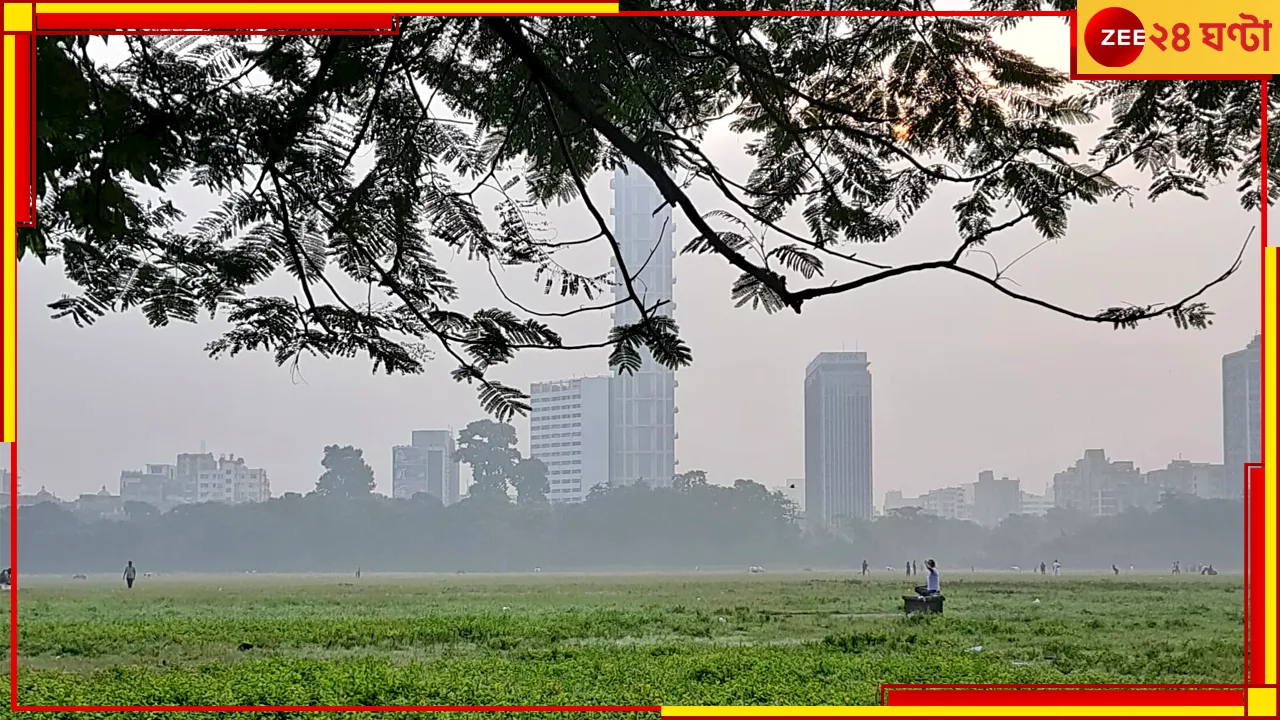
x: 689, y: 479
x: 346, y: 474
x: 489, y: 448
x: 530, y: 479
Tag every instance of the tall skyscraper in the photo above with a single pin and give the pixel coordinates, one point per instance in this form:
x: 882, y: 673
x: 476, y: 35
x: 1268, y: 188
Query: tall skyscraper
x: 1241, y: 412
x: 569, y: 433
x: 837, y: 438
x: 642, y: 415
x: 426, y: 465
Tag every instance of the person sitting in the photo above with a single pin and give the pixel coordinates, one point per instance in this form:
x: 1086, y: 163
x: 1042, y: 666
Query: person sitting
x: 932, y: 586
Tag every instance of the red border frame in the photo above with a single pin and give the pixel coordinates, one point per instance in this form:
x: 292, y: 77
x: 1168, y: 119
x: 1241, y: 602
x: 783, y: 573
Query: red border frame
x: 903, y: 695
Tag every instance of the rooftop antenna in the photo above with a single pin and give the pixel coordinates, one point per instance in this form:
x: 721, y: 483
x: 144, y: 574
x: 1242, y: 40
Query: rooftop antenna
x: 201, y: 447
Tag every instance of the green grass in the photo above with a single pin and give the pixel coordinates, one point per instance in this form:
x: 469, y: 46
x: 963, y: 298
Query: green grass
x: 696, y: 639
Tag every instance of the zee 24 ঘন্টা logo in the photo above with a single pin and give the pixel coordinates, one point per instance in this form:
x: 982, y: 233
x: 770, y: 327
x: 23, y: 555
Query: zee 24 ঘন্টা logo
x: 1115, y: 37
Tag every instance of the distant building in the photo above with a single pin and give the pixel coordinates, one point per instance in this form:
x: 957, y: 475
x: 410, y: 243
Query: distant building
x: 894, y: 500
x: 235, y: 483
x: 43, y: 496
x: 101, y: 505
x: 191, y: 472
x: 427, y: 465
x: 569, y: 432
x: 1033, y: 504
x: 995, y: 499
x: 156, y: 485
x: 953, y: 503
x: 837, y: 438
x: 642, y: 415
x: 1098, y: 486
x: 1241, y: 412
x: 195, y: 478
x: 1202, y: 480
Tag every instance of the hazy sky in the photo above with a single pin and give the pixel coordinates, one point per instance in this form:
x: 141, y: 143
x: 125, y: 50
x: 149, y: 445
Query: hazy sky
x: 964, y: 378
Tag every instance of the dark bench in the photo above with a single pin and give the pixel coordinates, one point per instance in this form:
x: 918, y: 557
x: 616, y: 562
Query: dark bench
x: 920, y: 604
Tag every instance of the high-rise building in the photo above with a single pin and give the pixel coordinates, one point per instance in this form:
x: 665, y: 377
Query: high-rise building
x: 569, y: 433
x: 426, y: 465
x: 837, y: 438
x: 642, y: 415
x: 1241, y: 412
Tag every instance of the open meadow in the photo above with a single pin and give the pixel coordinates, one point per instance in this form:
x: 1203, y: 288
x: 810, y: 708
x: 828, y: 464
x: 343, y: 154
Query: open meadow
x: 549, y: 639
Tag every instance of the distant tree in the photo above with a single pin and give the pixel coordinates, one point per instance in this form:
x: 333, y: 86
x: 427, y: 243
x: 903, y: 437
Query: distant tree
x: 707, y: 525
x: 530, y: 479
x: 905, y: 513
x: 140, y: 510
x: 346, y: 474
x: 427, y: 498
x: 489, y: 448
x: 689, y: 479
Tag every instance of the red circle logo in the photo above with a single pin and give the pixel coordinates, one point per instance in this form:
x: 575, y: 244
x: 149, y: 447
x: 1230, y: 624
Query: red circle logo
x: 1114, y: 37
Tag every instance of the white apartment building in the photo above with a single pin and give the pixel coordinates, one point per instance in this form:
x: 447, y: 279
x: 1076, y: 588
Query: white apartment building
x: 955, y: 503
x: 643, y: 411
x: 569, y: 432
x: 225, y: 479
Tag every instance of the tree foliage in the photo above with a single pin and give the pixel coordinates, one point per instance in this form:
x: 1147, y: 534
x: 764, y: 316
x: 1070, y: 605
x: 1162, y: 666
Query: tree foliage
x: 489, y: 448
x: 529, y: 476
x: 851, y: 125
x: 346, y: 474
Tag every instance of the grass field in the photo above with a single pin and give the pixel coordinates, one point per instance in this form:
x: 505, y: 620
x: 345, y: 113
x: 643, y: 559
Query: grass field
x: 695, y: 639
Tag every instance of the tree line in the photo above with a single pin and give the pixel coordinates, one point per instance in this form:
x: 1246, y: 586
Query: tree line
x: 692, y: 524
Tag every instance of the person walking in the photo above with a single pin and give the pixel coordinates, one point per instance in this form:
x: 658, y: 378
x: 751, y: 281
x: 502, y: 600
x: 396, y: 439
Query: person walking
x: 130, y: 573
x: 864, y: 566
x: 1057, y: 567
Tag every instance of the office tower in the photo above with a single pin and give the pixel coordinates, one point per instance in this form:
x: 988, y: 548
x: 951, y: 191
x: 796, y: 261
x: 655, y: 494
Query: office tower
x: 426, y: 465
x: 1241, y: 412
x: 569, y: 433
x: 837, y: 438
x: 642, y: 415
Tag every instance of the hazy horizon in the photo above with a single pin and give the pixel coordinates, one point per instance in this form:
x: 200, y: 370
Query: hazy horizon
x: 975, y: 379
